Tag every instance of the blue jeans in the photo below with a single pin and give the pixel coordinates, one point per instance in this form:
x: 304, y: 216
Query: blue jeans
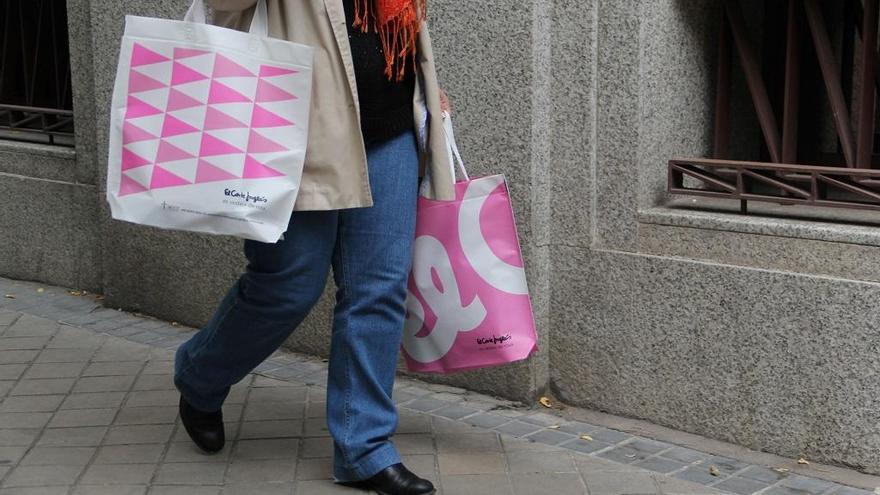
x: 370, y: 250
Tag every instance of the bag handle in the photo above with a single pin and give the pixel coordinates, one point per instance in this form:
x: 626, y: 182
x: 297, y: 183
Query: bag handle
x: 452, y: 148
x: 259, y: 24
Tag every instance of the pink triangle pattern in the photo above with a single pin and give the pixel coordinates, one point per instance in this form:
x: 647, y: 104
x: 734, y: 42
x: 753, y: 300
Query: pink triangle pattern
x: 138, y: 82
x: 256, y: 170
x: 131, y: 160
x: 163, y: 178
x: 169, y: 153
x: 224, y: 67
x: 264, y: 118
x: 209, y: 173
x: 269, y: 71
x: 215, y: 119
x: 212, y: 146
x: 175, y: 127
x: 270, y: 92
x: 135, y: 108
x: 181, y: 74
x: 221, y: 93
x: 129, y: 186
x: 133, y: 134
x: 180, y: 52
x: 261, y: 144
x: 141, y: 55
x: 178, y: 101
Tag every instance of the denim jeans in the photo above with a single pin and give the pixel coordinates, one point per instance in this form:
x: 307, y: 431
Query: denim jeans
x: 370, y: 250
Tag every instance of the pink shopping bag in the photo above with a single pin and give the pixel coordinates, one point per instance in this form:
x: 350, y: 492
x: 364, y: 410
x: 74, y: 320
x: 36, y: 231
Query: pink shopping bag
x: 468, y: 304
x: 209, y: 126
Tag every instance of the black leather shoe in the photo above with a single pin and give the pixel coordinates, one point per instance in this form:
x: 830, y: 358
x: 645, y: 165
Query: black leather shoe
x: 394, y: 480
x: 205, y: 428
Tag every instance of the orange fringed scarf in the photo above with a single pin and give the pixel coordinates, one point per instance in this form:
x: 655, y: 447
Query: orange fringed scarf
x: 398, y: 23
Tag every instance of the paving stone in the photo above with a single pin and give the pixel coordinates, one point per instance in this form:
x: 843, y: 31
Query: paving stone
x: 146, y: 415
x: 31, y: 403
x: 742, y: 486
x: 317, y: 447
x: 273, y: 410
x: 278, y: 488
x: 261, y: 470
x: 426, y: 404
x: 189, y: 452
x: 43, y: 386
x: 285, y: 448
x: 91, y: 400
x: 585, y: 446
x: 517, y: 428
x: 685, y: 455
x: 138, y: 434
x: 118, y: 474
x: 454, y: 411
x: 672, y: 486
x: 24, y: 419
x: 317, y: 427
x: 11, y: 437
x: 444, y: 425
x: 163, y: 381
x: 562, y: 483
x: 473, y: 463
x: 697, y: 474
x: 277, y: 394
x: 73, y: 437
x: 185, y: 490
x: 63, y: 355
x: 320, y: 468
x: 759, y: 473
x: 486, y: 420
x: 23, y: 343
x: 552, y: 437
x: 609, y: 483
x: 12, y: 371
x: 321, y: 488
x: 82, y: 417
x: 113, y: 368
x: 469, y: 442
x: 103, y: 384
x: 52, y: 455
x: 110, y: 490
x: 725, y: 464
x: 513, y: 444
x: 609, y: 436
x: 806, y: 485
x: 271, y: 429
x: 191, y: 473
x: 661, y: 465
x: 42, y: 475
x: 483, y: 484
x: 11, y: 455
x: 130, y: 454
x: 546, y: 462
x: 19, y: 356
x: 142, y: 398
x: 41, y: 490
x: 624, y: 454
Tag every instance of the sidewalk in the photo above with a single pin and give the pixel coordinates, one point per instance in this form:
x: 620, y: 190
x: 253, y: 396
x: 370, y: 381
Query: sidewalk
x: 89, y: 408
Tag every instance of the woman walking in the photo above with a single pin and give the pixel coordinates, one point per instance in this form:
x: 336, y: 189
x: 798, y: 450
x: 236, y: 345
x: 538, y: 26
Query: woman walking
x: 375, y: 128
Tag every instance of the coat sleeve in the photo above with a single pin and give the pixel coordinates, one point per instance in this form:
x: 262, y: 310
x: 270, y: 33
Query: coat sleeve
x: 231, y: 5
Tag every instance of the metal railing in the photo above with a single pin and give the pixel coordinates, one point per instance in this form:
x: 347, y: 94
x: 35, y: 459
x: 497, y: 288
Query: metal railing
x: 791, y: 170
x: 35, y: 83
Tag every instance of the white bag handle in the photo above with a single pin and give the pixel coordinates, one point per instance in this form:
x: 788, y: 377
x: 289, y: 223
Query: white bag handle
x: 452, y: 148
x: 259, y: 24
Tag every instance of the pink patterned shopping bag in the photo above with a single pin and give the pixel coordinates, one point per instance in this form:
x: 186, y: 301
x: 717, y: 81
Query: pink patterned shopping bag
x: 468, y: 305
x: 208, y: 126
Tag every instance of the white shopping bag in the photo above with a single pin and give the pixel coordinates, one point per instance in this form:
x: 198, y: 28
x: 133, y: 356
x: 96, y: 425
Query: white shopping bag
x: 209, y: 126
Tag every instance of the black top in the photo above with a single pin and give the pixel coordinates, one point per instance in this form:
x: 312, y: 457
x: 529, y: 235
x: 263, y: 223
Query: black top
x: 386, y: 105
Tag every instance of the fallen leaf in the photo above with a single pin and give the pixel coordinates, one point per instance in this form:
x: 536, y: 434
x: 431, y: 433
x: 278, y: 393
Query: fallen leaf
x: 587, y: 438
x: 10, y: 296
x: 553, y: 427
x: 41, y: 289
x: 714, y: 471
x: 780, y: 470
x: 545, y: 402
x: 175, y: 324
x: 803, y: 461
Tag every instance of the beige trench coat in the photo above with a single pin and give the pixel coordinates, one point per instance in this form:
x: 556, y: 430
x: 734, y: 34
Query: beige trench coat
x: 335, y: 173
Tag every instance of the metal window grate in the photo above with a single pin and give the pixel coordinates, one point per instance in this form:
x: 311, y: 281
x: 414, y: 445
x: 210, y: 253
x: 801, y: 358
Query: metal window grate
x: 35, y: 87
x: 813, y: 50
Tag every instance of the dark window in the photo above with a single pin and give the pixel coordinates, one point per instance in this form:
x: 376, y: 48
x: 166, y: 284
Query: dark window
x: 35, y: 94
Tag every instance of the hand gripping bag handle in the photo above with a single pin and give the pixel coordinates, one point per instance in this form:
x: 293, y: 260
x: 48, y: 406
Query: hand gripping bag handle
x: 259, y: 24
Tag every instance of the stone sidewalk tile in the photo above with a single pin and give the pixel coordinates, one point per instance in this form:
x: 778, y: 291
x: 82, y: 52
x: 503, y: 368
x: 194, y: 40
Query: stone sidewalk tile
x: 89, y: 407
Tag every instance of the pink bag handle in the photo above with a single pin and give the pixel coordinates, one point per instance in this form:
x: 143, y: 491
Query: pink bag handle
x: 259, y: 24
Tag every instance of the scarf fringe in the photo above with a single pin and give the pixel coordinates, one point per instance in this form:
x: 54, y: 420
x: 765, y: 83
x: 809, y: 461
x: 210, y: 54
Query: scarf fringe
x: 398, y: 27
